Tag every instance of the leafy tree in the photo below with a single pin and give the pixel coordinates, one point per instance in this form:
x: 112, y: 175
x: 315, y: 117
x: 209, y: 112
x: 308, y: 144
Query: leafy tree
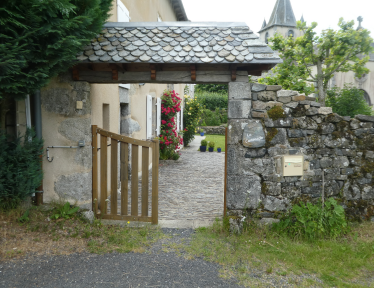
x: 41, y: 38
x: 217, y: 88
x: 348, y: 101
x: 333, y: 51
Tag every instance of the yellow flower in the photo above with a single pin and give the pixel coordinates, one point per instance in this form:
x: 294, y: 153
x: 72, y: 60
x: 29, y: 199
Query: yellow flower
x: 190, y: 108
x: 128, y: 222
x: 189, y: 113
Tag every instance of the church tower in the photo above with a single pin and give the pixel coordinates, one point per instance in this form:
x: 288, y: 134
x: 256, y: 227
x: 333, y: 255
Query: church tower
x: 282, y: 20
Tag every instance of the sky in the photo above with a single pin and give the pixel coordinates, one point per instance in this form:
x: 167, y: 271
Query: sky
x: 325, y: 12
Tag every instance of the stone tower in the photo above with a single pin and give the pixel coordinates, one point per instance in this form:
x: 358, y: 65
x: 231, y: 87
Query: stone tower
x: 282, y: 20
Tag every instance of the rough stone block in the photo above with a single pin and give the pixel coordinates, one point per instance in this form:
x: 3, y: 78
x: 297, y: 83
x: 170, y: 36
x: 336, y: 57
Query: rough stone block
x: 259, y: 105
x: 256, y: 114
x: 292, y: 105
x: 305, y: 102
x: 258, y: 166
x: 367, y: 193
x: 254, y: 96
x: 253, y: 135
x: 291, y: 192
x: 271, y: 188
x: 234, y: 159
x: 298, y: 98
x: 284, y: 99
x: 76, y: 129
x: 334, y: 118
x: 365, y: 118
x: 351, y: 191
x: 315, y: 141
x: 280, y: 138
x: 306, y: 165
x: 305, y: 123
x: 77, y: 186
x: 326, y: 162
x: 295, y: 133
x: 267, y: 96
x: 272, y: 203
x: 279, y: 123
x: 315, y: 104
x: 235, y: 128
x: 325, y: 110
x: 314, y: 164
x: 354, y: 124
x: 255, y: 153
x: 286, y: 93
x: 239, y: 109
x: 312, y: 111
x: 369, y: 155
x: 327, y: 128
x: 258, y: 87
x: 239, y: 90
x: 243, y: 192
x: 273, y: 88
x: 277, y: 151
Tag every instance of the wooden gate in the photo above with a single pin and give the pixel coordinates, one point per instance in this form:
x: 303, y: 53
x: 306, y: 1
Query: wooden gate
x: 106, y: 208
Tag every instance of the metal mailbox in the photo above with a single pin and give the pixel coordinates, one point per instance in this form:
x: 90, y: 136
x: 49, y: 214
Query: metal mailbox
x: 293, y: 165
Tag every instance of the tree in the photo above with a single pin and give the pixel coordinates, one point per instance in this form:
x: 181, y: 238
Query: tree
x: 218, y: 88
x: 41, y: 38
x: 333, y: 51
x: 348, y: 101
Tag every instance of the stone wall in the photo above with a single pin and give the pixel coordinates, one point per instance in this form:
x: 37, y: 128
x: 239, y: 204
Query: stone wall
x: 218, y: 130
x: 277, y: 122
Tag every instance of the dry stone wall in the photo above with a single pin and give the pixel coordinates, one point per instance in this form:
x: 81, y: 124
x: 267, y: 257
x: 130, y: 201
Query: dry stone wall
x: 266, y: 123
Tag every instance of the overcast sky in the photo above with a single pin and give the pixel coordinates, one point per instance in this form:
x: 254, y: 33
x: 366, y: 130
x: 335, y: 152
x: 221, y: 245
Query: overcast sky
x: 325, y: 12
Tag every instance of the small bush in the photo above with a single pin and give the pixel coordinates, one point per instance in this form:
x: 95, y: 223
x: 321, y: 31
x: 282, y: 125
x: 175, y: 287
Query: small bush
x: 312, y: 221
x: 20, y: 172
x: 204, y: 143
x: 191, y: 115
x: 211, y: 144
x: 349, y: 101
x: 211, y: 101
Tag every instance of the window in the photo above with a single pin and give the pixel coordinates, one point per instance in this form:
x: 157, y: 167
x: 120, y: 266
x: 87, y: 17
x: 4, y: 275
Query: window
x: 123, y: 14
x: 267, y: 37
x: 367, y: 97
x: 290, y: 33
x: 106, y: 125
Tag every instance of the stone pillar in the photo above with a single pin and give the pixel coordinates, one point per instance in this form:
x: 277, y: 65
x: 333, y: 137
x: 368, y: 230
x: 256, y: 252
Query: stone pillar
x: 243, y: 188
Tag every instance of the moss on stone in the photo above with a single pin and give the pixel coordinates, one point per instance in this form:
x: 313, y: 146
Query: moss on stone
x: 342, y: 126
x: 264, y: 188
x: 276, y: 113
x: 296, y: 142
x: 299, y: 111
x: 271, y: 133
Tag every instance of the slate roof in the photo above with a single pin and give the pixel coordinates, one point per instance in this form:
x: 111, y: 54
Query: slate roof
x: 282, y: 15
x: 177, y: 42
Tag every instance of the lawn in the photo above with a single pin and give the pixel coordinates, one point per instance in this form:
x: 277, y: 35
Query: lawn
x: 344, y: 262
x: 219, y: 141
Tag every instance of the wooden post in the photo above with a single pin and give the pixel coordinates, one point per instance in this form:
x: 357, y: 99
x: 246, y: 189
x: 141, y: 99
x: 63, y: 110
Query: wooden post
x: 124, y: 178
x: 134, y: 180
x: 225, y: 179
x: 113, y: 176
x: 103, y: 174
x: 95, y: 197
x: 145, y: 163
x: 155, y: 157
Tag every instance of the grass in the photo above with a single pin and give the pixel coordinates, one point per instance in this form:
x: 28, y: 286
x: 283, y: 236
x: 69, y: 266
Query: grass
x: 41, y: 236
x: 345, y: 262
x: 219, y: 141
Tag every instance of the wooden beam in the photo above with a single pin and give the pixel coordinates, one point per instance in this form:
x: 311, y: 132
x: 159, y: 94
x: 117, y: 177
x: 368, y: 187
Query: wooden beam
x: 75, y: 73
x: 233, y: 72
x: 153, y: 71
x: 114, y: 71
x: 193, y: 72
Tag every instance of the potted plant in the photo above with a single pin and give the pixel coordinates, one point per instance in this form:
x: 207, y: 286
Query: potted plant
x: 211, y: 146
x: 219, y: 149
x: 204, y: 143
x: 201, y: 132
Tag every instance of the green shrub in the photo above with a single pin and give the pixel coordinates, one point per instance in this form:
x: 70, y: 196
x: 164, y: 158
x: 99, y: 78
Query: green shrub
x: 211, y: 144
x: 204, y: 143
x: 212, y: 101
x: 20, y: 169
x: 191, y: 114
x: 311, y: 221
x: 211, y: 118
x: 348, y: 101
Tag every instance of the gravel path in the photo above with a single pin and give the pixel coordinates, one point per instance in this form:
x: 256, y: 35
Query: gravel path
x: 151, y: 269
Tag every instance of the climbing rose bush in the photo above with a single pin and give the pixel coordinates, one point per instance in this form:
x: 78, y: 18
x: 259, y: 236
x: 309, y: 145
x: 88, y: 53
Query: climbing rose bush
x: 170, y: 141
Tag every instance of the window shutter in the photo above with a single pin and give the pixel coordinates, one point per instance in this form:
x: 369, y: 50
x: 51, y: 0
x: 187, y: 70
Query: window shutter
x: 182, y: 119
x: 149, y: 116
x: 178, y: 121
x: 158, y: 117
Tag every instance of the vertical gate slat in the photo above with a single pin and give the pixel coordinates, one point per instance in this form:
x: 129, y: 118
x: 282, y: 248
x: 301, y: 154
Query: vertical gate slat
x: 95, y: 197
x: 134, y: 180
x: 145, y: 163
x: 124, y: 178
x: 103, y: 173
x: 155, y: 157
x: 113, y: 176
x: 225, y: 180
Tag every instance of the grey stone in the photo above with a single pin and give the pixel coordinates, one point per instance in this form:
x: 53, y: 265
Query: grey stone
x: 89, y: 216
x: 271, y: 188
x: 267, y: 221
x: 243, y: 192
x: 273, y: 87
x: 305, y: 123
x: 291, y: 191
x: 280, y: 137
x: 235, y: 225
x: 292, y: 105
x: 239, y: 109
x: 367, y: 192
x: 334, y: 118
x: 295, y: 133
x: 234, y: 159
x: 257, y: 166
x: 77, y: 186
x: 341, y: 162
x: 354, y: 124
x: 258, y: 87
x: 325, y: 110
x: 239, y: 90
x: 279, y: 123
x: 366, y: 125
x: 315, y: 164
x: 129, y: 126
x: 315, y: 104
x: 365, y: 118
x: 284, y: 100
x: 76, y: 129
x: 312, y: 111
x: 255, y: 153
x: 286, y: 93
x: 267, y: 96
x: 327, y: 128
x: 274, y: 204
x: 351, y: 191
x: 326, y: 162
x: 253, y: 135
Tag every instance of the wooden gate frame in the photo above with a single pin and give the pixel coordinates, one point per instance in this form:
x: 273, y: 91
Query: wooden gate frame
x: 125, y: 141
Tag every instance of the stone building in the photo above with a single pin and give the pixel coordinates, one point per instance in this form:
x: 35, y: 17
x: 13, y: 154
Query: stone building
x: 68, y: 109
x: 283, y: 21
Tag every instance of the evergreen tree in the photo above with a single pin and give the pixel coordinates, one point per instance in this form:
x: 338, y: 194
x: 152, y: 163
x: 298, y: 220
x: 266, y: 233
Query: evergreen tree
x: 41, y: 38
